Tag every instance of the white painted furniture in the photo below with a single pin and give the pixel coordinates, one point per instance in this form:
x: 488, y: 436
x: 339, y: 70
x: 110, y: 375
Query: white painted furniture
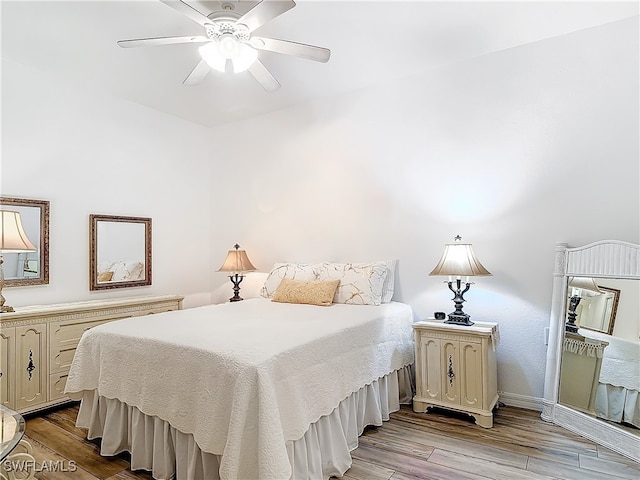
x: 605, y: 259
x: 580, y: 371
x: 456, y: 368
x: 37, y: 344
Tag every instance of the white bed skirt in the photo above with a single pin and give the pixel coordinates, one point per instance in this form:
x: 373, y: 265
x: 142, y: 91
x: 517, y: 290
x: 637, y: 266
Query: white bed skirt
x: 618, y: 404
x: 323, y: 451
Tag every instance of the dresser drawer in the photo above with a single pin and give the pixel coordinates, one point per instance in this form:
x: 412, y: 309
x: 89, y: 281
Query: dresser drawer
x: 64, y: 338
x: 57, y: 382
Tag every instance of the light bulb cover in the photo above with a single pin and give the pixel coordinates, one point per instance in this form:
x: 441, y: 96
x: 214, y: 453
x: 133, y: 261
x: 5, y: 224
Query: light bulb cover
x: 211, y: 54
x: 245, y: 58
x: 217, y: 52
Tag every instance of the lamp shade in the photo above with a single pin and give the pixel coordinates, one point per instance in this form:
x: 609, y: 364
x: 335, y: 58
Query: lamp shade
x: 458, y: 259
x: 584, y: 283
x: 237, y: 261
x: 12, y: 235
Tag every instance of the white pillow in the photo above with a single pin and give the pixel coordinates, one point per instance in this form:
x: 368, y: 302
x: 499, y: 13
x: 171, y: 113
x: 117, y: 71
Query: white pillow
x: 293, y: 271
x: 129, y: 270
x: 105, y: 266
x: 389, y: 281
x: 360, y: 283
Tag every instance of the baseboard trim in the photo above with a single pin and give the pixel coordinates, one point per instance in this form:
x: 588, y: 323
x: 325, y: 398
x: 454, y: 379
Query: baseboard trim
x: 521, y: 401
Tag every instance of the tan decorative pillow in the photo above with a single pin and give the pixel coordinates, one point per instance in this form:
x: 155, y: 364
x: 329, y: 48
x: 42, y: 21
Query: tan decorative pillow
x: 309, y: 292
x: 105, y: 277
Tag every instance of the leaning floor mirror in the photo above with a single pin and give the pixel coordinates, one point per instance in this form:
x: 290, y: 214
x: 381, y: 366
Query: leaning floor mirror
x: 25, y: 241
x: 592, y: 381
x: 120, y: 252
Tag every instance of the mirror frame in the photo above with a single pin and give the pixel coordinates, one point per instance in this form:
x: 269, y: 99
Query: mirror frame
x: 93, y: 252
x: 605, y: 259
x: 43, y: 205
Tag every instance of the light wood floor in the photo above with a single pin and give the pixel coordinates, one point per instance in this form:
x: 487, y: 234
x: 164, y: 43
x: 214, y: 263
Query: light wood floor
x: 410, y: 446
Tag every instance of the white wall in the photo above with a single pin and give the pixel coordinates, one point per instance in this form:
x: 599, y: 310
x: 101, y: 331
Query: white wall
x: 86, y: 153
x: 627, y: 321
x: 515, y: 151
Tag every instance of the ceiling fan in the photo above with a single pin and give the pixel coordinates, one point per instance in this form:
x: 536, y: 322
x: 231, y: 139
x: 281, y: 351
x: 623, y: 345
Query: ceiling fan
x: 229, y: 43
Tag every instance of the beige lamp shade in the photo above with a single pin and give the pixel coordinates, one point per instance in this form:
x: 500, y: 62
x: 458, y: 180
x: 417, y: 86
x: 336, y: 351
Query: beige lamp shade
x: 12, y: 235
x: 584, y: 283
x: 237, y: 261
x: 458, y: 259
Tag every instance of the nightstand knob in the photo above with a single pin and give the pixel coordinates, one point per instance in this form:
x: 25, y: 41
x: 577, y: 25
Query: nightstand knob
x: 450, y: 372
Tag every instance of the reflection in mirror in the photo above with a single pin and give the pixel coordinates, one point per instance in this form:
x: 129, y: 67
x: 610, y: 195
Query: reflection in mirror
x: 591, y: 305
x: 600, y: 364
x: 28, y: 267
x: 120, y: 249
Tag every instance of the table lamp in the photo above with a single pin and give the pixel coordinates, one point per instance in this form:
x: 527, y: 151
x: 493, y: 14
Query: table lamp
x: 459, y: 260
x: 13, y: 239
x: 236, y: 262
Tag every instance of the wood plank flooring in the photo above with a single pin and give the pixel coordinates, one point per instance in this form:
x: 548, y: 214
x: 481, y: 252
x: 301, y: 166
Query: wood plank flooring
x: 411, y: 446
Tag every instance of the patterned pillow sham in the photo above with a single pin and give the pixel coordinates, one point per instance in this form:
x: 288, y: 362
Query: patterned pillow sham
x: 360, y: 283
x: 294, y: 271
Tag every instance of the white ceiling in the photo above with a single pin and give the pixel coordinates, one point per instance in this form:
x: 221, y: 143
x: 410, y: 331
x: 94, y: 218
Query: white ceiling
x: 371, y: 42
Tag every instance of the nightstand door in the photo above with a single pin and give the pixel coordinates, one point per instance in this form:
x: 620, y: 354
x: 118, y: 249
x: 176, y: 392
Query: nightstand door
x: 451, y: 374
x: 471, y: 374
x: 429, y: 369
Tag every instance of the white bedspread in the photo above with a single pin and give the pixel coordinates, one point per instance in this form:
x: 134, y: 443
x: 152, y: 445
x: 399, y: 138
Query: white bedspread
x: 244, y: 377
x: 621, y: 361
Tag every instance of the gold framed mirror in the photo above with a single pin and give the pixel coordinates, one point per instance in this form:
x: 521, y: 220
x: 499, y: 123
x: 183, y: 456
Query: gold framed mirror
x: 597, y: 310
x: 23, y: 268
x: 119, y: 252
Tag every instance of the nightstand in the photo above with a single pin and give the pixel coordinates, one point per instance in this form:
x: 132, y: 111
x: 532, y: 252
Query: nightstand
x: 456, y: 368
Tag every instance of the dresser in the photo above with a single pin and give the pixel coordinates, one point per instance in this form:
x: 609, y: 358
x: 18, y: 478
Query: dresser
x: 37, y: 344
x: 456, y: 368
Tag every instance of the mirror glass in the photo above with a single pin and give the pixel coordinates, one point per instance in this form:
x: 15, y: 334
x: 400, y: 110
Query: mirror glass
x: 120, y: 250
x: 595, y: 305
x: 28, y: 268
x: 600, y: 365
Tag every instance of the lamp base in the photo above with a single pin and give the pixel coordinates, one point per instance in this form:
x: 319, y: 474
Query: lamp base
x: 236, y: 279
x: 4, y: 309
x: 457, y: 319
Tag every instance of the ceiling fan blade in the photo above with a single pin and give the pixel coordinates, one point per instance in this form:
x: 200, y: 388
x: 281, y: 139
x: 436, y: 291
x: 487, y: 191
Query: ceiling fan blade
x: 188, y: 11
x: 264, y: 11
x: 310, y: 52
x: 264, y: 77
x: 145, y: 42
x: 197, y: 74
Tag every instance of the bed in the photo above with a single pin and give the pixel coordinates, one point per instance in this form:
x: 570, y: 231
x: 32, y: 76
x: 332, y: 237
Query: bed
x: 617, y: 394
x: 252, y: 389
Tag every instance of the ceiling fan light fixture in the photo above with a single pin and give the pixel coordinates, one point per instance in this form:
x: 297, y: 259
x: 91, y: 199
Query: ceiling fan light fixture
x: 210, y: 52
x: 217, y: 52
x: 245, y: 58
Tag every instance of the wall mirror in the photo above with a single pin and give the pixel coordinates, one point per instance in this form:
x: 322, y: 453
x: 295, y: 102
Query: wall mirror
x: 32, y: 267
x: 592, y: 381
x: 120, y: 252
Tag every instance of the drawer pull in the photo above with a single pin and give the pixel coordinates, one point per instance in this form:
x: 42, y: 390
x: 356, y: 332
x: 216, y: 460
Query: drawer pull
x: 450, y: 372
x: 31, y: 366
